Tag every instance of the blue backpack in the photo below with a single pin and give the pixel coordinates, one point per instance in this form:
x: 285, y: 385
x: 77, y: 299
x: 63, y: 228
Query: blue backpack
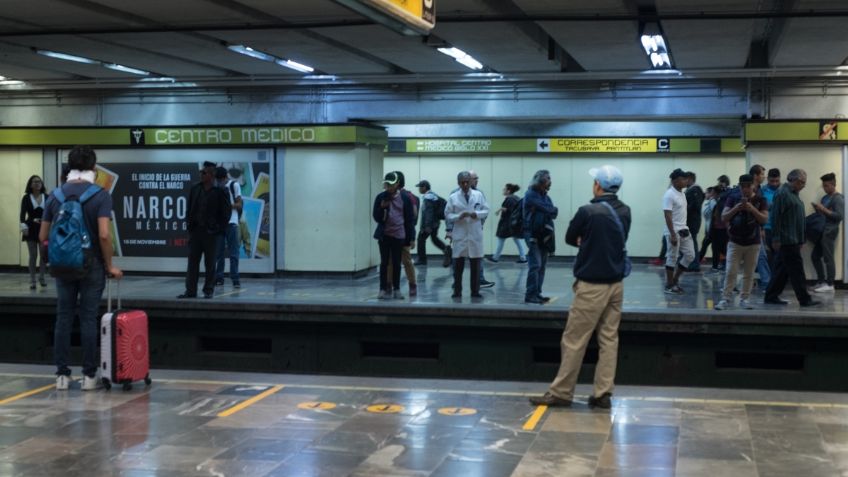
x: 69, y: 246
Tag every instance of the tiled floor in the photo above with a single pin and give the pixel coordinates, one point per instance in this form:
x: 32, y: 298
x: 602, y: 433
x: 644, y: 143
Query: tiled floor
x: 349, y: 426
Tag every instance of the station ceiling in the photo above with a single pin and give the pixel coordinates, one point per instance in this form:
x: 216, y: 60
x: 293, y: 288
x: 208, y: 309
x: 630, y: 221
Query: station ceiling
x: 187, y: 41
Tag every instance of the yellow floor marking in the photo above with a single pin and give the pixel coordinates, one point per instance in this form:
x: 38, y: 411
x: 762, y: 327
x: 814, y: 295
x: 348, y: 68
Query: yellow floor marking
x: 385, y: 408
x: 552, y: 300
x: 474, y: 393
x: 249, y: 402
x: 26, y: 394
x: 534, y: 419
x: 316, y: 406
x: 457, y: 411
x: 709, y: 303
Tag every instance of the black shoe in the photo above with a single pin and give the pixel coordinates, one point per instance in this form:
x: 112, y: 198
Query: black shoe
x: 219, y: 282
x: 491, y: 259
x: 32, y: 286
x: 521, y: 261
x: 486, y: 284
x: 811, y: 303
x: 456, y: 295
x: 533, y: 300
x: 775, y: 301
x: 446, y: 261
x: 603, y: 402
x: 208, y: 295
x: 549, y: 400
x: 43, y: 282
x: 187, y: 295
x: 544, y: 299
x: 236, y: 284
x: 476, y: 295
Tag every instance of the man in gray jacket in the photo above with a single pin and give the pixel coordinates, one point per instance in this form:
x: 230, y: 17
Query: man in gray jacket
x: 832, y: 206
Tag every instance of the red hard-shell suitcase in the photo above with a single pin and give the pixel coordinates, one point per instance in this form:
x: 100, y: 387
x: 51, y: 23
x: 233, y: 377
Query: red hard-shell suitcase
x: 124, y: 351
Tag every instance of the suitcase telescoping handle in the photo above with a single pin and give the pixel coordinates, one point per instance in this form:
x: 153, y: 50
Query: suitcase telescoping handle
x: 109, y: 294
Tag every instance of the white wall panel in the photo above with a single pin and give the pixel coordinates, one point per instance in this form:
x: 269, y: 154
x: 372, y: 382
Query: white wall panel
x: 18, y: 165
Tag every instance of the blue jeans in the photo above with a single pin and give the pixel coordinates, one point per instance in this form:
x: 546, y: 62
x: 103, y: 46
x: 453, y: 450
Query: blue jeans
x: 502, y: 241
x: 763, y: 269
x: 86, y: 292
x: 230, y: 244
x: 537, y: 260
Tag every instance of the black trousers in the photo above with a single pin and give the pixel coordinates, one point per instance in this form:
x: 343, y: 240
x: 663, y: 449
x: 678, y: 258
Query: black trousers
x: 788, y: 266
x: 422, y: 243
x: 201, y: 243
x: 718, y: 238
x: 458, y: 268
x: 390, y: 250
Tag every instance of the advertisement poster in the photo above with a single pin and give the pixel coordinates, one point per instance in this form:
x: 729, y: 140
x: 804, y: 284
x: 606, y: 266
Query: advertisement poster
x: 150, y: 190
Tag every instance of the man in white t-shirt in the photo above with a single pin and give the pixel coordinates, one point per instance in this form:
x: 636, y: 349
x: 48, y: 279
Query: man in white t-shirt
x: 681, y: 249
x: 229, y: 245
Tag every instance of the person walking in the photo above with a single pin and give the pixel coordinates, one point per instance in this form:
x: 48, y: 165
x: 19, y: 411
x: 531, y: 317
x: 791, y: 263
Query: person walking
x: 80, y: 296
x: 32, y: 208
x: 832, y: 207
x: 539, y: 214
x: 600, y: 230
x: 788, y: 234
x: 744, y: 213
x: 430, y: 221
x: 208, y: 216
x: 504, y: 231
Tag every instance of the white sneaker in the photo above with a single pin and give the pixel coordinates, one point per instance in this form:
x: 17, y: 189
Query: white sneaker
x: 745, y: 304
x: 62, y: 382
x: 722, y: 305
x: 397, y: 295
x: 89, y: 384
x: 823, y: 288
x: 384, y: 295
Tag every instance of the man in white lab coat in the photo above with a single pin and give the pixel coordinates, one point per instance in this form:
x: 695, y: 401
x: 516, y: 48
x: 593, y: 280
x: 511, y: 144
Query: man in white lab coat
x: 467, y: 208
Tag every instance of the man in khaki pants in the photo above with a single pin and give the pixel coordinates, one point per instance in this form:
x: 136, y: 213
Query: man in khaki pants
x: 598, y: 291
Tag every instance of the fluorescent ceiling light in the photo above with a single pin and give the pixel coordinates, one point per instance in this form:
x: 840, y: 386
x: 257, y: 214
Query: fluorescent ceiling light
x: 657, y: 51
x: 126, y: 69
x: 295, y: 65
x: 246, y: 50
x: 462, y: 57
x: 67, y: 57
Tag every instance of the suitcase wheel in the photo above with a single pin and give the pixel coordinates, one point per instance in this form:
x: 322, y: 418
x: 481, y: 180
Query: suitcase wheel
x: 127, y: 386
x: 107, y: 385
x: 147, y: 380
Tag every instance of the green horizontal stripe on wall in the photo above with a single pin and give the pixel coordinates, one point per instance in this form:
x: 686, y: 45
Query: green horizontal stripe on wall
x: 64, y: 137
x: 782, y: 131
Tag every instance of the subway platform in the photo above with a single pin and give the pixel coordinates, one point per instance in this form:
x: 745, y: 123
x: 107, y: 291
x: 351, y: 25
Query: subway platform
x: 201, y: 423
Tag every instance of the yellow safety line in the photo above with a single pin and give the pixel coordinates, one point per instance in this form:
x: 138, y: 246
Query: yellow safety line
x: 249, y: 402
x: 534, y: 419
x: 26, y: 394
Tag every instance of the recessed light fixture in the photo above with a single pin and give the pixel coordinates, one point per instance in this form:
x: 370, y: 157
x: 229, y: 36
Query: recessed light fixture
x: 126, y: 69
x: 259, y: 55
x: 655, y: 44
x: 66, y: 57
x: 461, y: 57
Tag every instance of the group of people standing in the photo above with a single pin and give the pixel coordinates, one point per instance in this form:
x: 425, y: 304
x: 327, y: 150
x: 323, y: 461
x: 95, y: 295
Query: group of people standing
x: 755, y: 227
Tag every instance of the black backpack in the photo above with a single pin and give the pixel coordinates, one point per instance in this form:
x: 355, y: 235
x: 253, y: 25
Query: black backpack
x: 440, y: 208
x: 516, y: 219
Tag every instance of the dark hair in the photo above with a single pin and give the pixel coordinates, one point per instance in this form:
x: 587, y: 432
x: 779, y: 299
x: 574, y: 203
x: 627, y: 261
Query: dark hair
x: 829, y: 177
x: 401, y: 179
x: 676, y: 174
x: 756, y: 169
x: 774, y: 172
x: 207, y: 164
x: 723, y: 179
x: 710, y: 189
x: 512, y: 188
x: 28, y: 189
x: 691, y: 175
x: 82, y: 158
x: 220, y: 172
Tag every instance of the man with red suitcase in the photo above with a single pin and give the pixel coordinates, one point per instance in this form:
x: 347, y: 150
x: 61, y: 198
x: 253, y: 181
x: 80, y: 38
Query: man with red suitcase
x: 79, y: 284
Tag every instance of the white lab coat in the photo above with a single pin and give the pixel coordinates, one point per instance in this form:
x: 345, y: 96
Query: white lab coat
x: 467, y: 232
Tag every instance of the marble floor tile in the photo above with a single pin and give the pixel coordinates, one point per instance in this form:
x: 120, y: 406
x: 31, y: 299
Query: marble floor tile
x: 795, y: 465
x: 540, y: 464
x: 578, y: 422
x: 713, y: 468
x: 429, y: 436
x: 169, y: 458
x: 638, y: 456
x: 357, y: 443
x: 644, y: 434
x: 399, y: 460
x: 216, y: 467
x: 716, y: 449
x: 634, y: 472
x: 262, y: 449
x: 453, y: 467
x: 715, y: 428
x: 317, y: 464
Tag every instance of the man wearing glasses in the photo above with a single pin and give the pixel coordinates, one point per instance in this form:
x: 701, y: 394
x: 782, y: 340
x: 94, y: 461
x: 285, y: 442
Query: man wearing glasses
x: 208, y: 215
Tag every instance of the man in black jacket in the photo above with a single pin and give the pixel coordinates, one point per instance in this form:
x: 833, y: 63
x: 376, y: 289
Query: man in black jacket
x: 208, y: 215
x: 694, y: 201
x: 598, y: 291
